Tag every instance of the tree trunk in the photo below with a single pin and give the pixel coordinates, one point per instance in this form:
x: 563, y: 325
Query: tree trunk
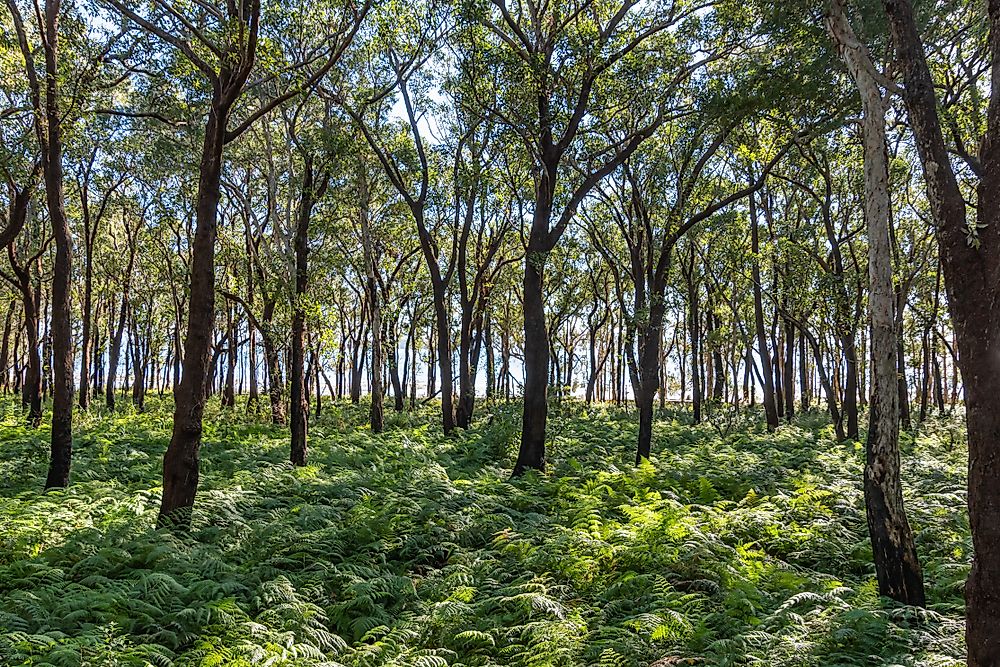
x: 229, y: 387
x: 376, y: 413
x: 896, y: 565
x: 180, y: 463
x: 805, y: 373
x: 770, y: 409
x: 694, y: 320
x: 62, y: 269
x: 788, y: 371
x: 299, y: 396
x: 31, y: 390
x: 648, y: 374
x: 114, y: 354
x: 275, y: 383
x: 466, y: 386
x: 5, y: 349
x: 531, y: 454
x: 86, y: 317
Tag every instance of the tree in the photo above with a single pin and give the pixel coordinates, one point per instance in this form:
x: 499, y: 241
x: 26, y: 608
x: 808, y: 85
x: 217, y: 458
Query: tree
x: 970, y: 257
x: 548, y: 74
x: 225, y: 57
x: 48, y: 114
x: 893, y: 548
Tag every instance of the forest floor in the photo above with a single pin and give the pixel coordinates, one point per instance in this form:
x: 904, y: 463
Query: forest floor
x: 733, y: 547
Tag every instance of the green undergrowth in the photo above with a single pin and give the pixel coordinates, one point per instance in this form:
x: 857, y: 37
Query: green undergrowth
x: 731, y: 547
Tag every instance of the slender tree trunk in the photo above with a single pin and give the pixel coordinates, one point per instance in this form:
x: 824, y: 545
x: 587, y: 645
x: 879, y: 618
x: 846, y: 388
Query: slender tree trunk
x: 5, y: 349
x: 896, y: 565
x: 648, y: 374
x: 770, y: 409
x: 694, y: 320
x: 32, y: 387
x: 85, y: 316
x: 398, y: 390
x: 114, y: 354
x: 377, y: 412
x: 466, y: 385
x: 431, y: 363
x: 491, y: 365
x: 788, y: 371
x: 180, y: 463
x: 805, y: 374
x: 299, y: 396
x: 275, y: 382
x: 229, y: 388
x: 62, y: 269
x: 850, y: 401
x: 139, y: 367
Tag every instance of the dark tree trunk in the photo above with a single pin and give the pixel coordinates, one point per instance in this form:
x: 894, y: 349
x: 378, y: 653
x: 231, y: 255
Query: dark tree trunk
x: 398, y: 390
x: 62, y: 269
x: 466, y: 384
x: 770, y: 409
x: 376, y: 413
x: 938, y: 385
x: 253, y: 390
x: 180, y: 463
x: 444, y: 357
x: 694, y: 320
x: 901, y: 386
x: 828, y: 389
x: 229, y: 388
x: 788, y: 371
x: 139, y: 367
x: 114, y: 354
x: 431, y: 363
x: 971, y: 274
x: 850, y: 385
x: 531, y: 455
x: 311, y: 191
x: 805, y: 387
x: 31, y: 390
x: 5, y: 349
x: 88, y: 297
x: 648, y: 374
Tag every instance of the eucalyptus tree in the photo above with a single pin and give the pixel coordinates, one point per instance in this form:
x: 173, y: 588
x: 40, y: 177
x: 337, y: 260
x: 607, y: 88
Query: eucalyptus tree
x: 894, y: 551
x: 767, y: 373
x: 24, y: 255
x: 369, y: 209
x: 49, y: 110
x: 396, y: 63
x: 834, y: 198
x: 564, y: 77
x: 970, y: 256
x: 124, y: 240
x: 260, y: 199
x: 677, y: 180
x: 21, y: 166
x: 221, y: 41
x: 315, y: 179
x: 98, y: 180
x: 484, y: 212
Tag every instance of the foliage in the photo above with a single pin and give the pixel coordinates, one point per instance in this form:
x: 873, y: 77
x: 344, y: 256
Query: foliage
x: 408, y: 548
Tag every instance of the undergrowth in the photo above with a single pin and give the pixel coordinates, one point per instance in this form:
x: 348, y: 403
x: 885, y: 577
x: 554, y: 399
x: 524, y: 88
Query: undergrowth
x: 732, y: 547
